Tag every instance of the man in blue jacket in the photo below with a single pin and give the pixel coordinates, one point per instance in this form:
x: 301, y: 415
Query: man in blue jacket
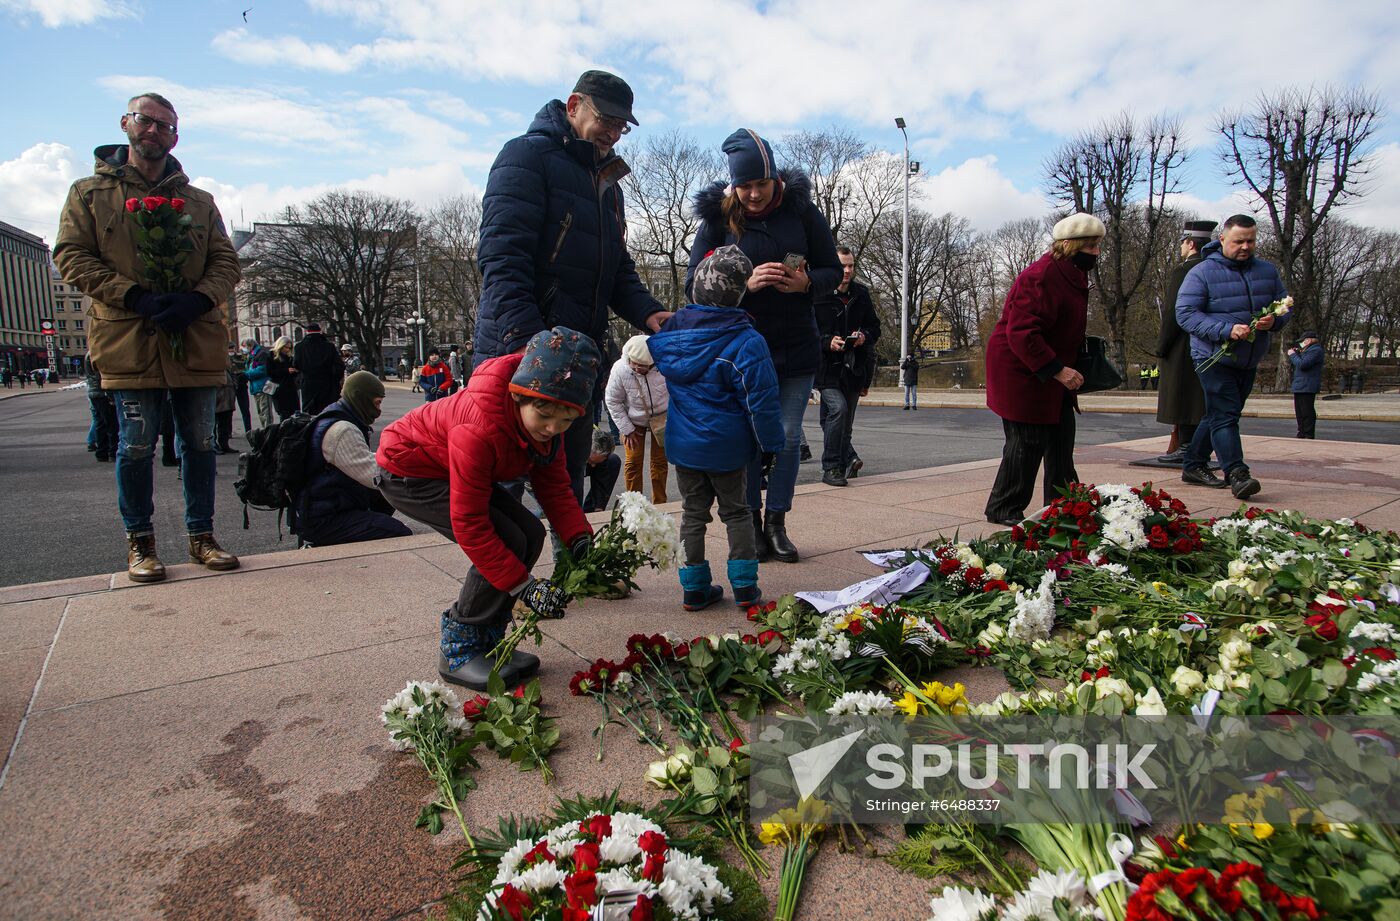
x: 553, y: 235
x: 1215, y: 305
x: 1306, y: 359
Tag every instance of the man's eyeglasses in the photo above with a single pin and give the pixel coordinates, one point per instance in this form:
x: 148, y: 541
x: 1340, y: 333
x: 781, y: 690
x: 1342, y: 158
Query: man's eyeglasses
x: 145, y: 121
x: 619, y: 125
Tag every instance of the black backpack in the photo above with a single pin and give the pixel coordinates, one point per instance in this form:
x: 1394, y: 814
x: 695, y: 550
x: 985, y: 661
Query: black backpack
x: 273, y: 470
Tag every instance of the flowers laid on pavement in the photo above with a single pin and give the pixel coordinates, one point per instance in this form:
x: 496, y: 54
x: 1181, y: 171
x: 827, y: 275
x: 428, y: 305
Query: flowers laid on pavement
x: 426, y: 719
x: 1049, y: 896
x: 799, y: 831
x: 513, y: 726
x: 638, y: 534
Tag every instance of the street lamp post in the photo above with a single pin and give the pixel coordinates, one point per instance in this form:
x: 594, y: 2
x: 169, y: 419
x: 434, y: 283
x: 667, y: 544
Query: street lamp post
x: 904, y: 260
x: 418, y: 321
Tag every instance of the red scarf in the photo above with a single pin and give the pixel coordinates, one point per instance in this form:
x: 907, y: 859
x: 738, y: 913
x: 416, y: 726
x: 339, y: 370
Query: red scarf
x: 772, y: 205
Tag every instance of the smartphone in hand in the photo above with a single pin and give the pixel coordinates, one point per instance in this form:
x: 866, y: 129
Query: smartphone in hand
x: 794, y: 261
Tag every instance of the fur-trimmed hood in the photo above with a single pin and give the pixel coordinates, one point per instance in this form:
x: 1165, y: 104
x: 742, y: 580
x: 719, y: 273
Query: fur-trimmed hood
x: 797, y: 196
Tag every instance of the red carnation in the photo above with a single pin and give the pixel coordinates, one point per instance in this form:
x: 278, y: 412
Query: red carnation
x: 1082, y: 510
x: 995, y: 585
x: 1380, y: 652
x: 856, y: 627
x: 178, y: 204
x: 133, y: 205
x: 973, y: 575
x: 1088, y: 526
x: 948, y: 567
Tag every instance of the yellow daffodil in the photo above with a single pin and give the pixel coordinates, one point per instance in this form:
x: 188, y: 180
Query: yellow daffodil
x: 910, y: 704
x: 772, y: 832
x: 1181, y: 841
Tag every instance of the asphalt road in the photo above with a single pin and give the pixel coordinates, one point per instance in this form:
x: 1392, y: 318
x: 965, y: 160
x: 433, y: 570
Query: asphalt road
x: 60, y: 512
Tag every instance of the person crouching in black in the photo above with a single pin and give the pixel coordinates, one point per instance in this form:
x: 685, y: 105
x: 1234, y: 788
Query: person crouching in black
x: 341, y: 503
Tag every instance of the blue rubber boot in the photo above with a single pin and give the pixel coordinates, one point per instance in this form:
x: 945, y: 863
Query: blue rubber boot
x: 462, y: 655
x: 743, y: 578
x: 698, y: 592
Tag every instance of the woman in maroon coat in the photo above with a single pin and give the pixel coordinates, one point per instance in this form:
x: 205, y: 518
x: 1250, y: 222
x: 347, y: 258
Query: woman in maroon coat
x: 1031, y: 378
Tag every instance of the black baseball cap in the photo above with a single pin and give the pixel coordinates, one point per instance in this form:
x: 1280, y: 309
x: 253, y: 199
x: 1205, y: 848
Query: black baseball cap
x: 610, y: 93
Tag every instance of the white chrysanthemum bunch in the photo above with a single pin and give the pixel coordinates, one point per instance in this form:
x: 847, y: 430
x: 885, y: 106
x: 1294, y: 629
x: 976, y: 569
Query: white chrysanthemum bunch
x: 654, y: 531
x: 860, y: 703
x: 435, y: 695
x: 1122, y: 512
x: 1049, y: 896
x: 1035, y: 611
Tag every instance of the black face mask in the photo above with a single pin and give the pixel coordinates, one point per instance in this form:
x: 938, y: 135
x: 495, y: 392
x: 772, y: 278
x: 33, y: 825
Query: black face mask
x: 1085, y: 261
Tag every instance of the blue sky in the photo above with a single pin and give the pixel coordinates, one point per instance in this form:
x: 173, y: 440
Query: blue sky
x: 414, y: 97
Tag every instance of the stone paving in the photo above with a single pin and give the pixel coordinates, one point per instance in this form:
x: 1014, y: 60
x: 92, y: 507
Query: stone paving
x: 209, y: 747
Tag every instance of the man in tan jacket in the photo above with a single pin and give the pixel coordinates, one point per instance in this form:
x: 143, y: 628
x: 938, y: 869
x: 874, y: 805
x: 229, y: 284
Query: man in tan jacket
x: 131, y: 326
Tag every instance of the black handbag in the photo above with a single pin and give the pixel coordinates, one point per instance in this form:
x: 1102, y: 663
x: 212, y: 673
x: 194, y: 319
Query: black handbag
x: 1100, y: 373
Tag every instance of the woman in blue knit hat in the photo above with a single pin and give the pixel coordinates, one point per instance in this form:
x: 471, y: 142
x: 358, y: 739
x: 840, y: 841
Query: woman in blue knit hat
x: 768, y: 213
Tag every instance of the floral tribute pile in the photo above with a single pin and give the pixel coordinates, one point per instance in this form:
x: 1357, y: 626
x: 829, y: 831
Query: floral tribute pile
x: 1113, y: 601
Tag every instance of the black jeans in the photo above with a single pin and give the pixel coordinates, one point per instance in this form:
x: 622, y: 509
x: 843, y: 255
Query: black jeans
x: 1305, y: 409
x: 838, y: 419
x: 602, y: 478
x: 479, y: 602
x: 1027, y: 445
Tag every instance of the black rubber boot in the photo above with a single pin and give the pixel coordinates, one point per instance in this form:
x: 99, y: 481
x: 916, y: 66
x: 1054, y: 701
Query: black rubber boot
x: 761, y: 542
x: 775, y: 529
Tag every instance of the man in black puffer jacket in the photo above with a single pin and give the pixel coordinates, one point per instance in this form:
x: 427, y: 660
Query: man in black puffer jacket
x: 553, y: 235
x: 848, y: 327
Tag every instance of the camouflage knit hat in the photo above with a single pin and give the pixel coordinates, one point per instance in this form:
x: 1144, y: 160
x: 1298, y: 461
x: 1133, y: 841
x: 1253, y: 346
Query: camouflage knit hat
x: 721, y: 278
x: 560, y: 365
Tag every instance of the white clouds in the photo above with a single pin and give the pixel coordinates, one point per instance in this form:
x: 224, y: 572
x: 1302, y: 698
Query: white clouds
x: 57, y: 13
x: 1381, y: 205
x: 34, y: 185
x: 977, y: 190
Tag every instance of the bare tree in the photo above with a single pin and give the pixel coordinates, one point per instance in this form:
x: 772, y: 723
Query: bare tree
x: 1123, y: 172
x: 1301, y: 154
x: 942, y: 262
x: 451, y: 278
x: 345, y: 257
x: 828, y: 157
x: 667, y: 170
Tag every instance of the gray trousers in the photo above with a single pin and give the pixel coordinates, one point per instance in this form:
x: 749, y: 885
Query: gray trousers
x: 699, y: 490
x: 479, y: 602
x: 264, y: 404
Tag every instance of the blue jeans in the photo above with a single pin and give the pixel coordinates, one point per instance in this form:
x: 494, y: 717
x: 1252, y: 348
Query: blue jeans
x: 793, y: 394
x: 1226, y: 390
x: 138, y: 421
x: 911, y: 395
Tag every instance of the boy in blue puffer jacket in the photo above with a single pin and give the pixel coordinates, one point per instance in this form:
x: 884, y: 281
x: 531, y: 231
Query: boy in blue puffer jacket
x: 723, y: 413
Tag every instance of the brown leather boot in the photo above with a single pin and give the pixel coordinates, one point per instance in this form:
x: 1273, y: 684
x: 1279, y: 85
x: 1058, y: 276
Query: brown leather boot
x: 204, y: 549
x: 142, y: 564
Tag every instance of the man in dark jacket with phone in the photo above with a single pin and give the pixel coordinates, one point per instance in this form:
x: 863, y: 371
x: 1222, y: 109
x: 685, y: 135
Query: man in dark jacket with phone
x: 847, y: 324
x: 553, y: 235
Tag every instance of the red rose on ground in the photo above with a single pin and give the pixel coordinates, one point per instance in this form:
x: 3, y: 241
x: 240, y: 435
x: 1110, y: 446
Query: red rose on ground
x: 748, y: 639
x: 475, y: 707
x: 178, y: 204
x: 514, y: 902
x: 654, y: 868
x: 642, y: 911
x: 652, y: 842
x: 1380, y: 652
x: 519, y: 691
x: 753, y: 612
x: 995, y: 585
x: 1323, y: 626
x: 948, y: 567
x: 973, y: 575
x: 1082, y: 510
x: 735, y: 745
x: 586, y: 857
x: 770, y: 636
x: 682, y: 650
x: 540, y: 852
x: 133, y: 205
x: 576, y: 914
x: 600, y: 826
x: 581, y: 888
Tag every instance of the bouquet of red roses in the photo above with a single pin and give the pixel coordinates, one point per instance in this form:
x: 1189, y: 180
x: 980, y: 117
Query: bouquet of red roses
x: 163, y: 243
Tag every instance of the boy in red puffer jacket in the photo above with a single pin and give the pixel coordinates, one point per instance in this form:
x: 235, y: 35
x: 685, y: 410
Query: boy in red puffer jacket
x: 442, y: 465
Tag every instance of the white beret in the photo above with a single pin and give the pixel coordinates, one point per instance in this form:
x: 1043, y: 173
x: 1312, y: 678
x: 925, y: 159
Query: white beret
x: 1078, y: 225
